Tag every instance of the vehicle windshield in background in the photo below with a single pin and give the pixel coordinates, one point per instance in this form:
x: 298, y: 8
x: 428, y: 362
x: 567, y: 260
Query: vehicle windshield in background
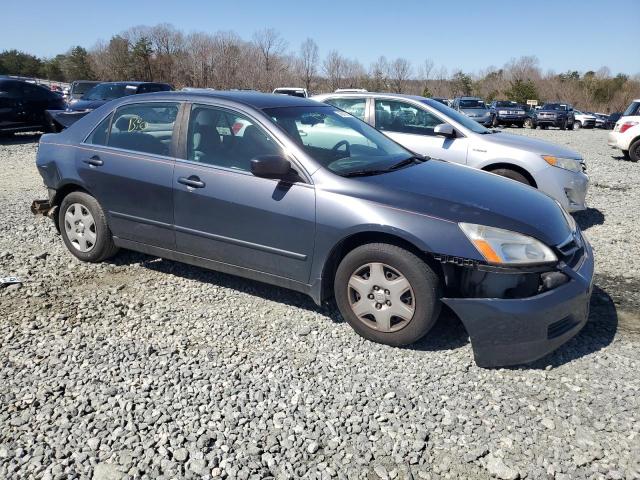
x: 633, y: 109
x: 293, y: 93
x: 81, y: 88
x: 554, y: 106
x: 472, y: 104
x: 339, y: 141
x: 109, y: 91
x: 457, y: 116
x: 506, y: 104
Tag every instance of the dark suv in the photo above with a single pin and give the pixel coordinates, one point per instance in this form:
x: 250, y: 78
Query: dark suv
x: 506, y: 112
x: 558, y: 115
x: 23, y: 106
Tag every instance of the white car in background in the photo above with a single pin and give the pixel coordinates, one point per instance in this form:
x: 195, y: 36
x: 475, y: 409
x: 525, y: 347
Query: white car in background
x: 583, y: 120
x: 626, y: 132
x: 427, y: 127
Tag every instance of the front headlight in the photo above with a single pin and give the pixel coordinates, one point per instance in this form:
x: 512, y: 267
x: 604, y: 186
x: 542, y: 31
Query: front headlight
x: 502, y: 112
x: 566, y: 163
x: 504, y: 247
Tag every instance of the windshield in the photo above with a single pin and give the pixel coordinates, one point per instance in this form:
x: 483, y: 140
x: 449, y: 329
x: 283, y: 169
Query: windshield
x: 457, y: 116
x: 632, y: 109
x: 109, y: 91
x: 472, y: 104
x: 81, y: 88
x: 506, y: 104
x: 554, y: 106
x: 337, y: 140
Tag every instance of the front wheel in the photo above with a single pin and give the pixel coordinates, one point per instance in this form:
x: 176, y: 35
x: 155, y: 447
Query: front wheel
x: 577, y: 125
x: 84, y: 228
x: 387, y: 294
x: 512, y: 174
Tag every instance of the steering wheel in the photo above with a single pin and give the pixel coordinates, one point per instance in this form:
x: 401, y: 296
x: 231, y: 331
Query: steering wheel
x: 341, y: 143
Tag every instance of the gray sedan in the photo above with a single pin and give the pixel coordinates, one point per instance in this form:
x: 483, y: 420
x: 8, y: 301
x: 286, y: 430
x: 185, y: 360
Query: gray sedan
x: 303, y: 195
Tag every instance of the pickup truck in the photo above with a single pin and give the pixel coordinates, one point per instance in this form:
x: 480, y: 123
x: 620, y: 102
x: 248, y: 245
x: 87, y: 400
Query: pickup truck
x: 558, y: 115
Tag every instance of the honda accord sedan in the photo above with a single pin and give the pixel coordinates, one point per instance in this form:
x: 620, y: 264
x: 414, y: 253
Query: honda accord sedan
x: 291, y: 192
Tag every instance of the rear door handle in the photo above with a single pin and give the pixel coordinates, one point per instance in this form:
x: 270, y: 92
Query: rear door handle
x: 94, y: 161
x: 193, y: 181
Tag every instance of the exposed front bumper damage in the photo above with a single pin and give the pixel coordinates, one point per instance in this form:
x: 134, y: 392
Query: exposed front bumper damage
x: 512, y: 331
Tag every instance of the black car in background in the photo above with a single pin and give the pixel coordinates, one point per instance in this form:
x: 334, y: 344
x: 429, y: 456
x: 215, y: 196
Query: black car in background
x: 98, y: 96
x: 23, y: 106
x: 558, y: 115
x: 612, y: 118
x: 507, y: 112
x: 78, y: 89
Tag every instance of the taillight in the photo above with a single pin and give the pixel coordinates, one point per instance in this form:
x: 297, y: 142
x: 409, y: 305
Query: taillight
x: 236, y: 127
x: 626, y: 126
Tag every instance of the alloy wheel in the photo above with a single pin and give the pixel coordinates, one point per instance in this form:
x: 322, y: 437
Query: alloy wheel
x: 381, y: 297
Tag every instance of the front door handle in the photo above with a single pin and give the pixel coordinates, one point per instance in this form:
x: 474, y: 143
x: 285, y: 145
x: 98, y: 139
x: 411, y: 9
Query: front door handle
x: 193, y: 181
x: 94, y: 161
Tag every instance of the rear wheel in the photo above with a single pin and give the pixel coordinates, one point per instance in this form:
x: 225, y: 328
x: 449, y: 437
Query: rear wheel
x: 634, y: 151
x: 84, y: 228
x: 387, y: 294
x: 512, y: 174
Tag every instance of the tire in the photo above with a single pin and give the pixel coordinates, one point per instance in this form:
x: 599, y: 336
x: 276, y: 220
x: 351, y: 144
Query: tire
x: 84, y: 228
x: 528, y: 123
x: 512, y: 174
x: 563, y: 125
x: 494, y: 122
x: 577, y: 125
x: 375, y: 320
x: 625, y: 155
x: 634, y: 151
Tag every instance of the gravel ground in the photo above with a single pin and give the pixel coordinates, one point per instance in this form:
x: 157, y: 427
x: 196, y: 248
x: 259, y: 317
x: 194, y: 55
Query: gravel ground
x: 145, y: 368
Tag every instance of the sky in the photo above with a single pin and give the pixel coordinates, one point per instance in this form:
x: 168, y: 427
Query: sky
x: 459, y: 35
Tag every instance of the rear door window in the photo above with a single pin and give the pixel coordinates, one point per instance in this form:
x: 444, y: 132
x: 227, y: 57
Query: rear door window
x: 144, y: 127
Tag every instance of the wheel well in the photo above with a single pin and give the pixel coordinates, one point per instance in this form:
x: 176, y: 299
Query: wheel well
x: 348, y: 244
x: 66, y: 190
x: 511, y: 166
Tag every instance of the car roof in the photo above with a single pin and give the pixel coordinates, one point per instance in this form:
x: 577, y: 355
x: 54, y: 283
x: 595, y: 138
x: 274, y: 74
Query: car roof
x: 253, y: 99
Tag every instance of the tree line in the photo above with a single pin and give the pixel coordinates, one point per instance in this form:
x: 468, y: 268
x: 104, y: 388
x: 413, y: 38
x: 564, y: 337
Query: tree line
x: 224, y: 60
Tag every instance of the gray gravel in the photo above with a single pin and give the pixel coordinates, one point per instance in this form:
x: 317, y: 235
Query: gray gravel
x: 145, y: 368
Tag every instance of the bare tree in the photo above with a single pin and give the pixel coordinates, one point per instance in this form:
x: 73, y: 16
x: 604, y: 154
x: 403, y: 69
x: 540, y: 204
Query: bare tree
x: 334, y: 69
x: 308, y: 62
x: 270, y: 46
x: 399, y: 73
x: 378, y: 74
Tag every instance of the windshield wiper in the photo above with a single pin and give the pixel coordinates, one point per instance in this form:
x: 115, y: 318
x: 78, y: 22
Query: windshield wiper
x: 395, y: 166
x: 363, y: 173
x: 407, y: 161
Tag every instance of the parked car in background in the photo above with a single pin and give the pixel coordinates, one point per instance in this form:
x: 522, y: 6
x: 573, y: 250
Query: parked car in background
x: 506, y: 112
x: 626, y: 133
x: 77, y: 89
x: 601, y: 119
x: 430, y: 128
x: 583, y: 120
x: 474, y: 108
x: 442, y: 100
x: 558, y: 115
x: 612, y: 118
x: 530, y: 113
x: 23, y: 106
x: 386, y: 232
x: 293, y: 91
x: 98, y: 96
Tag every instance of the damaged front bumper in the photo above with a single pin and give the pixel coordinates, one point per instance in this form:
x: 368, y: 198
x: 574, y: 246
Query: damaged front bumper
x: 512, y: 331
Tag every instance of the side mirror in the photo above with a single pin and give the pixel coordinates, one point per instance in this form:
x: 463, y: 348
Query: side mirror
x: 444, y: 130
x: 270, y: 166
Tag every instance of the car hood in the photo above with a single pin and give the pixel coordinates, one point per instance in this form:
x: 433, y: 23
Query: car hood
x: 463, y: 194
x: 81, y: 105
x: 529, y: 144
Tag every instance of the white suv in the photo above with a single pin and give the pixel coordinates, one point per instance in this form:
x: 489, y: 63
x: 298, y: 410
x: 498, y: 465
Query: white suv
x: 626, y: 133
x: 428, y: 127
